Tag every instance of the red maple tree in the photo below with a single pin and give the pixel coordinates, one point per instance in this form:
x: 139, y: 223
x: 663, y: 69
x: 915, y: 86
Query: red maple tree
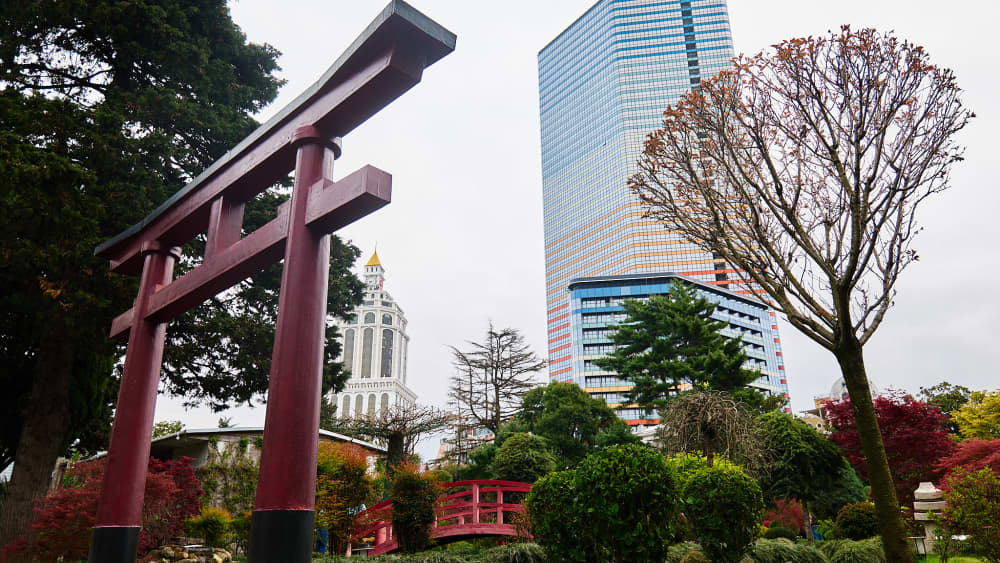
x: 914, y: 433
x: 65, y: 517
x: 971, y: 455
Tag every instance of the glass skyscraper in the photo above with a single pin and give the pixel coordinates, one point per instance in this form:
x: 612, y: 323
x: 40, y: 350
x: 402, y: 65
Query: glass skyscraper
x: 603, y: 85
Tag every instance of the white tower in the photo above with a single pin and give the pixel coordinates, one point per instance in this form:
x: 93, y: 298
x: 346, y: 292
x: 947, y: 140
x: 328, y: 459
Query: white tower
x: 374, y: 350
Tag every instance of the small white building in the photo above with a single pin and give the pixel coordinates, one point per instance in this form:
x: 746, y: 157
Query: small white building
x: 374, y: 351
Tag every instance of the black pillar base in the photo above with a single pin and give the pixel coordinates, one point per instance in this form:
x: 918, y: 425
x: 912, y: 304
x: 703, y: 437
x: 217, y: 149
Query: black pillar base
x: 281, y: 536
x: 114, y: 544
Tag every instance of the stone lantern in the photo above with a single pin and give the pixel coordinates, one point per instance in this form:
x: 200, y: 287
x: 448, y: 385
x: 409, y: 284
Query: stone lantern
x: 928, y: 502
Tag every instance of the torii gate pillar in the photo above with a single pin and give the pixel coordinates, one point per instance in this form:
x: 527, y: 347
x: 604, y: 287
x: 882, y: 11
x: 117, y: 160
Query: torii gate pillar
x: 384, y: 62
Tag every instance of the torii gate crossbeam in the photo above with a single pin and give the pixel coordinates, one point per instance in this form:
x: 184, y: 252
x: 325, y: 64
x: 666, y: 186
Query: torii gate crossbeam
x: 384, y: 62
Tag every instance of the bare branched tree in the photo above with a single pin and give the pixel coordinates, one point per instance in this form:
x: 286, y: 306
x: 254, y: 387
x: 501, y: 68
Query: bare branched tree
x: 711, y: 422
x: 399, y: 427
x: 492, y: 377
x: 803, y: 168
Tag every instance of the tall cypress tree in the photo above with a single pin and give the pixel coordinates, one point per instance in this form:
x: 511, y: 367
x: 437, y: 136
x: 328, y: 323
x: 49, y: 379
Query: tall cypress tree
x: 107, y: 107
x: 672, y: 340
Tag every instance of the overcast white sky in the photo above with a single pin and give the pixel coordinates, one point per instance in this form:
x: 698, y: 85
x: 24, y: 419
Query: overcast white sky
x: 462, y: 239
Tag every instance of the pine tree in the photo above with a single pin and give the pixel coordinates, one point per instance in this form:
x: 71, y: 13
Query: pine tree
x: 671, y: 341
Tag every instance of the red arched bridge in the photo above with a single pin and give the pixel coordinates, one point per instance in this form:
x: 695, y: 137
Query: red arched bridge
x: 467, y: 509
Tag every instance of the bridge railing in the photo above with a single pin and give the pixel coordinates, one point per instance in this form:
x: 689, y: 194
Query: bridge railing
x: 479, y: 507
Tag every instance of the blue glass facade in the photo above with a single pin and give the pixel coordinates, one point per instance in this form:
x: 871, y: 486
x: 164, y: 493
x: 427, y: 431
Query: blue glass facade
x: 603, y: 85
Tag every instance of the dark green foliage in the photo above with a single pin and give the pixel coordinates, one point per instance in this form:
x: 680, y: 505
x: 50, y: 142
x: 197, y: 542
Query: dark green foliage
x: 413, y: 498
x: 948, y: 399
x: 857, y: 521
x: 805, y: 464
x: 670, y: 340
x: 847, y: 488
x: 618, y: 434
x: 775, y: 532
x: 570, y: 419
x: 767, y: 551
x: 617, y: 505
x: 723, y: 506
x: 523, y: 457
x: 555, y: 521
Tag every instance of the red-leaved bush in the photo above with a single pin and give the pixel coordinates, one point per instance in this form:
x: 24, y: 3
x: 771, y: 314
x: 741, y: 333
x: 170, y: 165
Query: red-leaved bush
x: 65, y: 517
x: 914, y: 433
x: 787, y: 514
x: 971, y: 455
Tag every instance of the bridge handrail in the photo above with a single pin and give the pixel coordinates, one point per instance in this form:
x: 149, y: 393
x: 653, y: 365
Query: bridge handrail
x: 456, y: 506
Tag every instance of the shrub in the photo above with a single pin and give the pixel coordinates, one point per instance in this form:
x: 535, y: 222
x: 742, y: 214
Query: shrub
x: 864, y: 551
x: 65, y: 517
x: 787, y: 514
x: 973, y: 508
x: 857, y: 521
x: 523, y: 457
x: 695, y: 557
x: 617, y: 505
x: 723, y: 506
x: 826, y: 529
x: 776, y: 531
x: 514, y: 553
x: 677, y: 552
x: 413, y: 498
x: 342, y: 485
x: 829, y: 547
x: 240, y: 532
x: 553, y: 516
x: 211, y: 524
x: 769, y: 551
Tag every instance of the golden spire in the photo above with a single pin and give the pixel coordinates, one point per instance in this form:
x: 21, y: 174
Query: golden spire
x: 374, y: 260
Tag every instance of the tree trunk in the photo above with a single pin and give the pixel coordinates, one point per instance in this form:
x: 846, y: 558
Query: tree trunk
x: 46, y: 424
x: 395, y: 453
x: 890, y: 522
x: 808, y: 521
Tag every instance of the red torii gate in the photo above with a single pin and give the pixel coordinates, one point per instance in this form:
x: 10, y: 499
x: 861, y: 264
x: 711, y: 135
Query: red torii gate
x: 383, y: 63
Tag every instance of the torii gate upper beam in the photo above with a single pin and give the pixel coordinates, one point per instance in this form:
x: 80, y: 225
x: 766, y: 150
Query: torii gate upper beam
x: 384, y: 62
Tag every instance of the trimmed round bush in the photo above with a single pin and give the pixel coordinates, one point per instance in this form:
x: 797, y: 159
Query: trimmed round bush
x: 617, y: 505
x: 723, y: 505
x: 775, y: 532
x: 523, y: 457
x: 857, y: 521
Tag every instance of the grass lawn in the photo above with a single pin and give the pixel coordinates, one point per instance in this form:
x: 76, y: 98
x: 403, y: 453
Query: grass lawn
x: 953, y: 559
